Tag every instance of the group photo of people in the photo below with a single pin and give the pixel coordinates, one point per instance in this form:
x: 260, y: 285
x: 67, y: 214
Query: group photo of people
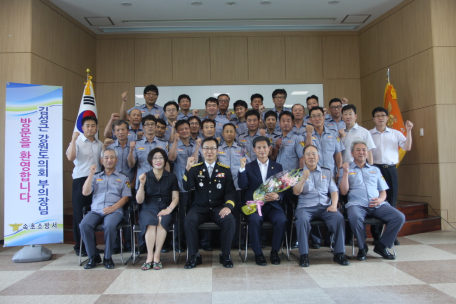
x: 175, y: 168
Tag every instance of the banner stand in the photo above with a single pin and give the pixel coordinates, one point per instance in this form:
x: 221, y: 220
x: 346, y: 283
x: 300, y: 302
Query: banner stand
x: 32, y: 253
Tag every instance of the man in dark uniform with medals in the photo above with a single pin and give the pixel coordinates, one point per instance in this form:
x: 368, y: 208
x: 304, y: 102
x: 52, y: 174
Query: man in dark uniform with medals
x: 213, y: 201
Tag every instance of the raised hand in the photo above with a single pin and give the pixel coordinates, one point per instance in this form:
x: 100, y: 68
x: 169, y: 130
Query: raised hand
x: 341, y: 133
x: 93, y: 169
x: 157, y: 116
x: 142, y: 178
x: 108, y: 142
x: 243, y: 162
x: 261, y: 108
x: 115, y: 116
x: 305, y: 174
x: 345, y: 166
x: 344, y: 100
x: 139, y: 135
x: 309, y: 129
x: 408, y: 125
x: 263, y: 132
x: 190, y: 162
x: 176, y: 137
x: 75, y: 136
x: 198, y: 142
x: 278, y: 143
x: 228, y: 115
x: 124, y: 96
x: 132, y: 145
x: 195, y: 112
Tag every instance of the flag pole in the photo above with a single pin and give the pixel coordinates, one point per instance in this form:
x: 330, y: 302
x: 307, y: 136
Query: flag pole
x: 388, y: 75
x: 88, y: 73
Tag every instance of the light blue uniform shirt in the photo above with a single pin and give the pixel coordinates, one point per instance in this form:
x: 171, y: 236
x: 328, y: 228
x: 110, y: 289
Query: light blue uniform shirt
x: 246, y: 142
x: 278, y: 114
x: 241, y: 127
x: 182, y: 116
x: 332, y: 124
x: 231, y: 156
x: 291, y: 151
x: 317, y: 188
x: 108, y: 190
x: 307, y: 118
x: 180, y: 163
x: 141, y: 151
x: 301, y: 130
x: 132, y: 134
x: 364, y: 184
x: 168, y: 130
x: 219, y: 123
x: 233, y: 115
x: 156, y: 109
x: 273, y: 137
x: 328, y: 145
x: 122, y: 158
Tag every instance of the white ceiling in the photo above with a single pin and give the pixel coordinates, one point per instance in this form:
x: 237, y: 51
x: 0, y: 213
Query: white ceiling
x: 217, y: 15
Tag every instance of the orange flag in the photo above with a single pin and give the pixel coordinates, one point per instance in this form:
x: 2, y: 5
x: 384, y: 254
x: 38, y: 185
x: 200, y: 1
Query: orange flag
x: 395, y: 120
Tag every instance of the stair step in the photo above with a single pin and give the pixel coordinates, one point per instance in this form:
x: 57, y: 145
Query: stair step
x: 413, y: 211
x: 430, y: 223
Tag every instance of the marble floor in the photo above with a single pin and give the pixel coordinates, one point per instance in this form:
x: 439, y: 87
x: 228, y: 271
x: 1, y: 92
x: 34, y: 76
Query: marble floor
x: 424, y: 272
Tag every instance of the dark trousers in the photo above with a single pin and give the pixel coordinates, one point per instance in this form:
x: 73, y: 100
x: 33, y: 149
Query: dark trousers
x: 183, y: 201
x: 390, y: 175
x: 79, y: 201
x: 279, y: 222
x: 236, y: 213
x: 198, y: 215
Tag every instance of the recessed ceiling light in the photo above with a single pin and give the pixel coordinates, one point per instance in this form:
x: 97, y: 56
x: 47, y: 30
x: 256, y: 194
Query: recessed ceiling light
x: 196, y: 2
x: 299, y: 92
x: 333, y: 2
x: 265, y: 2
x: 126, y: 3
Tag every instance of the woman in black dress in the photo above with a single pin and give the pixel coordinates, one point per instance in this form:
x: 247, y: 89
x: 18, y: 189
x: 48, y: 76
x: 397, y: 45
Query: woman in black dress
x: 158, y: 193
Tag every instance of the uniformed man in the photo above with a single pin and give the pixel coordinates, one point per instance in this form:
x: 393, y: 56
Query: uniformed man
x: 312, y: 101
x: 214, y: 201
x: 256, y: 101
x: 318, y: 198
x: 111, y: 191
x: 150, y: 107
x: 212, y: 107
x: 288, y: 149
x: 366, y: 187
x: 224, y: 104
x: 122, y: 146
x: 270, y: 119
x: 139, y: 150
x: 184, y: 101
x: 335, y: 120
x: 195, y: 128
x: 299, y: 125
x: 279, y: 96
x: 386, y: 156
x: 180, y: 150
x: 171, y: 109
x: 252, y: 119
x: 134, y: 130
x: 354, y: 131
x: 84, y: 150
x: 240, y: 107
x: 161, y: 127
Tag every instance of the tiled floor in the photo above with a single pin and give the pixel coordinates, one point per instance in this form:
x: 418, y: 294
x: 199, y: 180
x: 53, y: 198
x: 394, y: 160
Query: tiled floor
x: 424, y: 272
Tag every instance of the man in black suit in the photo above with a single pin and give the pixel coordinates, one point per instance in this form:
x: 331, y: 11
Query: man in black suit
x: 250, y: 177
x: 214, y: 199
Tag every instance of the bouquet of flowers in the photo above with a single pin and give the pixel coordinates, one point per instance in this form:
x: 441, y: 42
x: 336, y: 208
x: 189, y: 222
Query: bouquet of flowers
x: 277, y: 183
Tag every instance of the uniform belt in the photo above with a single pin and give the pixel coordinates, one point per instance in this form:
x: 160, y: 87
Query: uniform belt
x: 385, y: 166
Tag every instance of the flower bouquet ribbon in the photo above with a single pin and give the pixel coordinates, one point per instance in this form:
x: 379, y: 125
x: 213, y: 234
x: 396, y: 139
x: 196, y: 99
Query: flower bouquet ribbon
x: 252, y: 207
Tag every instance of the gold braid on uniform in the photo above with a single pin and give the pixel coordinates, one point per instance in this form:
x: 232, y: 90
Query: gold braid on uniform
x: 196, y: 165
x: 230, y: 202
x: 224, y: 166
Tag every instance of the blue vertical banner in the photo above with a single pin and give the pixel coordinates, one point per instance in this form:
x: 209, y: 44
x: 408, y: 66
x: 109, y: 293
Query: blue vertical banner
x: 33, y: 196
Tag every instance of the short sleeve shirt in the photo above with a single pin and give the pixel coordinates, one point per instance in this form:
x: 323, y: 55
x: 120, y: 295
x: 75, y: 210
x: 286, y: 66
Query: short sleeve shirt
x: 122, y: 158
x: 291, y: 151
x: 246, y: 142
x: 180, y: 163
x: 156, y: 109
x: 141, y: 151
x: 108, y: 190
x: 357, y: 132
x: 387, y: 145
x: 87, y: 154
x: 231, y: 156
x: 317, y: 188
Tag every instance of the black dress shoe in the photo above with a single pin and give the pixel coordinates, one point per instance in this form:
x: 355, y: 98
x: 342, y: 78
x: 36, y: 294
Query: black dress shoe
x: 225, y: 259
x: 108, y: 263
x: 260, y: 260
x: 304, y: 260
x: 315, y: 246
x: 207, y: 248
x: 116, y: 251
x: 93, y: 262
x: 383, y: 251
x: 341, y: 259
x: 83, y: 254
x: 396, y: 242
x: 275, y: 260
x: 295, y: 245
x: 193, y: 262
x: 362, y: 253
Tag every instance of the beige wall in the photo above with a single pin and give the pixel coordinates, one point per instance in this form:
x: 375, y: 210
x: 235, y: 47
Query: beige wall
x: 417, y: 43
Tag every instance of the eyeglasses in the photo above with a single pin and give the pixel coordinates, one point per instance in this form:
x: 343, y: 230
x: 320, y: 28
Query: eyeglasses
x: 158, y: 158
x: 151, y: 94
x: 171, y: 110
x: 316, y: 116
x: 223, y: 100
x: 336, y: 107
x: 149, y: 124
x: 209, y: 149
x: 380, y: 116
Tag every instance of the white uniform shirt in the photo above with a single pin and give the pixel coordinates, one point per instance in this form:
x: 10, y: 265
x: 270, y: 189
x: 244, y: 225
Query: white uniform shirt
x: 387, y: 146
x: 357, y: 132
x: 87, y: 154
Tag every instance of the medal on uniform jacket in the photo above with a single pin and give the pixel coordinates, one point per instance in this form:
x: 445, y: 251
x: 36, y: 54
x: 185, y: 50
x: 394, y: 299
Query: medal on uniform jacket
x: 201, y: 184
x: 219, y: 186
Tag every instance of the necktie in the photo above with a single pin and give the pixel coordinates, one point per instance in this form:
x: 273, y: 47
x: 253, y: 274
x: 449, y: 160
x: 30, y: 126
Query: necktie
x: 209, y: 169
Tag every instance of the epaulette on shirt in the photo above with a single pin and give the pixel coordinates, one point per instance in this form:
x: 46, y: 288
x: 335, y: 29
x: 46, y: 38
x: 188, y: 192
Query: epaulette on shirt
x: 123, y: 174
x: 196, y: 165
x: 223, y: 165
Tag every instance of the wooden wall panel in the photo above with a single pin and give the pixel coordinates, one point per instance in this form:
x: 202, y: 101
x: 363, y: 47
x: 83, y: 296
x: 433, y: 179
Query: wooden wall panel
x: 109, y: 100
x: 115, y: 60
x: 340, y: 57
x: 349, y: 88
x: 390, y: 40
x: 445, y: 74
x: 448, y: 190
x: 372, y: 91
x: 67, y: 132
x: 420, y: 76
x: 191, y: 59
x: 443, y: 22
x: 15, y: 26
x: 229, y: 59
x: 153, y: 60
x: 266, y: 59
x: 368, y: 48
x: 446, y: 124
x: 304, y: 57
x: 416, y: 22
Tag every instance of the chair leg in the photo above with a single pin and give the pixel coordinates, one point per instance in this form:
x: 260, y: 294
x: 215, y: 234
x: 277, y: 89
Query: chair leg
x: 121, y: 246
x: 353, y: 246
x: 132, y: 252
x: 291, y: 237
x: 331, y: 240
x: 174, y: 246
x: 246, y: 241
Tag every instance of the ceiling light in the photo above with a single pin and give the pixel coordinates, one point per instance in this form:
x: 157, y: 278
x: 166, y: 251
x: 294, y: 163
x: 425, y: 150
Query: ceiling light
x: 196, y: 3
x: 265, y: 2
x: 126, y: 3
x: 333, y: 2
x: 299, y: 92
x: 217, y: 94
x: 231, y: 3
